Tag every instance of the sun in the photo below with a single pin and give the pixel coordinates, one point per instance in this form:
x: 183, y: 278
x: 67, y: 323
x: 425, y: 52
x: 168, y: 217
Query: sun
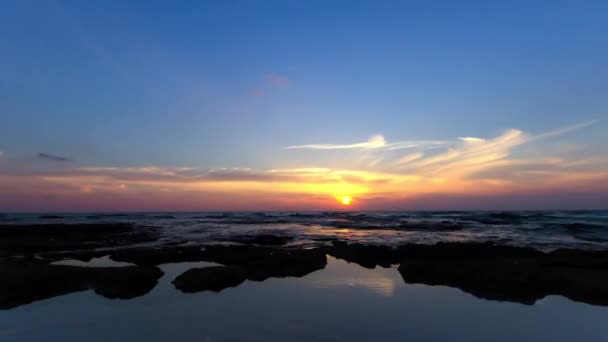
x: 346, y: 200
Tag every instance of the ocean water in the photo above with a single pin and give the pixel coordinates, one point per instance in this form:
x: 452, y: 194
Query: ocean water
x: 343, y: 302
x: 544, y: 230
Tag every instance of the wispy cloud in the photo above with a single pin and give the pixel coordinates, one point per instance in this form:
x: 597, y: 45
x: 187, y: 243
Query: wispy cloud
x: 564, y: 130
x: 377, y: 142
x: 408, y: 158
x: 466, y: 166
x: 257, y: 92
x: 52, y: 157
x: 276, y: 79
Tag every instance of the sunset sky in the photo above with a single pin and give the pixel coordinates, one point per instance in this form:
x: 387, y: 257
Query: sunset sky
x: 289, y: 105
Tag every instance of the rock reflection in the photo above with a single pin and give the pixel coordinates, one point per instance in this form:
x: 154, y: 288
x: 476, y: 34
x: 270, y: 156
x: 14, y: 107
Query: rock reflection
x: 339, y: 273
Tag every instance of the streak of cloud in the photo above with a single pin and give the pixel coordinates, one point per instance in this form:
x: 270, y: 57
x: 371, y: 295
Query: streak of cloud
x: 564, y: 130
x: 376, y: 141
x: 53, y: 157
x: 466, y: 167
x: 276, y: 79
x: 257, y: 92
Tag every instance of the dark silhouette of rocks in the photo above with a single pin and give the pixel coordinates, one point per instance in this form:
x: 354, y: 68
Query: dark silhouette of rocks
x: 259, y: 239
x: 257, y: 264
x: 215, y: 278
x: 36, y: 238
x: 486, y: 270
x: 512, y: 274
x: 50, y: 217
x: 364, y: 255
x: 26, y: 281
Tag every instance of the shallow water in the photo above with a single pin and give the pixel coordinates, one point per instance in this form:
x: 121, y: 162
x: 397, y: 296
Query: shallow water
x: 343, y: 302
x: 539, y: 229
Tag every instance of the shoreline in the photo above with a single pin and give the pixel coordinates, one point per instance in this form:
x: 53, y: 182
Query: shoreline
x: 489, y: 271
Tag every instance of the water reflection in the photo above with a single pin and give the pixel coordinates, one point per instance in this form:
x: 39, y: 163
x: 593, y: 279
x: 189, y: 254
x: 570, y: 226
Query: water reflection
x: 343, y: 302
x: 340, y: 273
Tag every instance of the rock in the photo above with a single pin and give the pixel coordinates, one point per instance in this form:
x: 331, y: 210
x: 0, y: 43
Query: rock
x: 160, y: 255
x: 285, y: 263
x: 215, y: 278
x: 448, y: 250
x: 364, y: 255
x: 49, y: 217
x: 125, y: 282
x: 260, y: 239
x: 37, y: 238
x: 506, y: 273
x: 256, y: 264
x: 25, y: 281
x: 503, y: 281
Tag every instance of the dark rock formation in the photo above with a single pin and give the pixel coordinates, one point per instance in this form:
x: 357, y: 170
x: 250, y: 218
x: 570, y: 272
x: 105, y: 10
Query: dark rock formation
x: 49, y: 217
x: 510, y: 273
x: 364, y: 255
x: 214, y: 278
x: 36, y: 238
x: 25, y: 281
x: 259, y: 239
x: 255, y: 264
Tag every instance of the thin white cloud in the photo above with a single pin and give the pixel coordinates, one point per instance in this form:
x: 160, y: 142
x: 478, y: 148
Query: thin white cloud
x: 276, y: 79
x: 375, y: 142
x: 564, y: 130
x: 472, y: 139
x: 471, y: 154
x: 460, y: 158
x: 408, y: 158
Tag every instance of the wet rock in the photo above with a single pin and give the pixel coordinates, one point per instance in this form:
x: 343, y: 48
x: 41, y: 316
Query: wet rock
x: 50, y: 217
x: 447, y: 250
x: 125, y: 282
x: 256, y: 264
x: 364, y: 255
x: 509, y: 273
x: 443, y: 226
x: 503, y: 281
x: 215, y: 278
x: 285, y: 263
x: 160, y: 255
x: 36, y: 238
x: 25, y: 281
x: 260, y: 239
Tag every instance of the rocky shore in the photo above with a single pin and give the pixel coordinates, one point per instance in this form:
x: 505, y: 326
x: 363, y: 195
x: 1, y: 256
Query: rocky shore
x: 489, y: 271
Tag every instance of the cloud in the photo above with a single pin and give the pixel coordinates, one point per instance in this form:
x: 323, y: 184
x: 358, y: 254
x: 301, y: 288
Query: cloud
x: 472, y: 153
x: 52, y: 157
x: 408, y: 158
x: 564, y: 130
x: 471, y: 139
x: 375, y: 141
x: 276, y: 80
x: 466, y: 167
x: 257, y: 92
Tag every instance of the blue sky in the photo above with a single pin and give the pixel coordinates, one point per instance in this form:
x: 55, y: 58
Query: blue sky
x: 230, y: 84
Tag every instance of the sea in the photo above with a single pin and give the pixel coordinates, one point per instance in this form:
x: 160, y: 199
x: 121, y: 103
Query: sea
x: 343, y: 302
x: 543, y: 230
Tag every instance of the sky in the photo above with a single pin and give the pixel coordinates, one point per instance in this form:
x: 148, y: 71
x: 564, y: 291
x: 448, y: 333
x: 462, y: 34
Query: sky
x: 296, y: 105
